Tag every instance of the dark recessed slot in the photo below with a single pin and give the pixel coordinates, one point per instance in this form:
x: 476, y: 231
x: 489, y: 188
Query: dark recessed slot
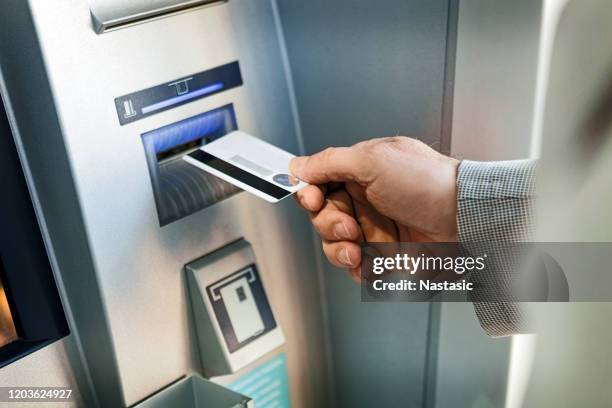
x: 180, y: 150
x: 181, y: 189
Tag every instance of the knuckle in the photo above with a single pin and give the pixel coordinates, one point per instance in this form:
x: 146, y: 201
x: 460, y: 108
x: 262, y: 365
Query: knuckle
x: 399, y: 139
x: 412, y: 143
x: 328, y: 153
x: 381, y: 148
x: 320, y: 223
x: 316, y: 222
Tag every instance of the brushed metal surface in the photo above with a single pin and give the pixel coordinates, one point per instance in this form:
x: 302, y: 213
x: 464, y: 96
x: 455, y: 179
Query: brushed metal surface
x: 112, y: 14
x: 47, y: 367
x: 138, y: 266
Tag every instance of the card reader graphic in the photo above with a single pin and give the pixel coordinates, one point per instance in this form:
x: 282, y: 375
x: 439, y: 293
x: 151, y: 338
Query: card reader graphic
x: 237, y: 297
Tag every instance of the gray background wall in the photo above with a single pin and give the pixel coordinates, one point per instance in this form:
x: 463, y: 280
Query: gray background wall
x: 363, y: 69
x: 495, y: 78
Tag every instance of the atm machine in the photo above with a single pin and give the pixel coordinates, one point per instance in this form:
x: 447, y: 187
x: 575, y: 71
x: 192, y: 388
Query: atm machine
x: 168, y: 286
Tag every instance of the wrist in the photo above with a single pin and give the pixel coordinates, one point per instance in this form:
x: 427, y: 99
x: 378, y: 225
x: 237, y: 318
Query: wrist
x: 447, y: 214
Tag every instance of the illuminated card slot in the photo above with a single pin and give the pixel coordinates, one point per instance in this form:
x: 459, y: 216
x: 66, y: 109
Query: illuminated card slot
x: 183, y: 98
x: 179, y: 188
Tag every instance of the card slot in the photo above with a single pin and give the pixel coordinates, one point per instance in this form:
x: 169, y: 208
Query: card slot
x: 179, y: 189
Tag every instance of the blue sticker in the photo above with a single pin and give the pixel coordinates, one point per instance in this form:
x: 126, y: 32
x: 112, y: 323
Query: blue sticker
x: 267, y: 384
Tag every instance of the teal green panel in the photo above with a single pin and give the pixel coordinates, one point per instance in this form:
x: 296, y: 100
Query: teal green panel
x: 267, y: 384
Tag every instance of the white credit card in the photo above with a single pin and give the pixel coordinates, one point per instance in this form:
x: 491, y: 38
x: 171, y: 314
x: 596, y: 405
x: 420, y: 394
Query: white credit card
x: 250, y: 164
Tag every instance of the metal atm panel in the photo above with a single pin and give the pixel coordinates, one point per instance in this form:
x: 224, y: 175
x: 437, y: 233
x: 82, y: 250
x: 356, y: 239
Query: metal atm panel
x: 140, y: 339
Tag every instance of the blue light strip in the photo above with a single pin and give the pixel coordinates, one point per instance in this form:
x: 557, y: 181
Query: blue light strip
x: 181, y: 98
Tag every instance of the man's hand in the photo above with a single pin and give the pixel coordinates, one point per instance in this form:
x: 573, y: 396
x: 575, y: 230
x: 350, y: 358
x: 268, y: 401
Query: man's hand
x: 394, y: 189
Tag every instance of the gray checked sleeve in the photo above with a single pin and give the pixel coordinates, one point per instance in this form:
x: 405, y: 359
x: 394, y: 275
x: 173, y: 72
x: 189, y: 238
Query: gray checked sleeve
x: 495, y: 200
x: 495, y: 204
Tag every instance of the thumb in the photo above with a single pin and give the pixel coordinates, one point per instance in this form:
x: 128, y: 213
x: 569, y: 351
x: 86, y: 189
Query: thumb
x: 332, y: 164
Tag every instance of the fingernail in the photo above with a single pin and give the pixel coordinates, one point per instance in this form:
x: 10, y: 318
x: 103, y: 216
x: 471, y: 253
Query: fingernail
x: 344, y: 257
x: 297, y: 163
x: 341, y: 231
